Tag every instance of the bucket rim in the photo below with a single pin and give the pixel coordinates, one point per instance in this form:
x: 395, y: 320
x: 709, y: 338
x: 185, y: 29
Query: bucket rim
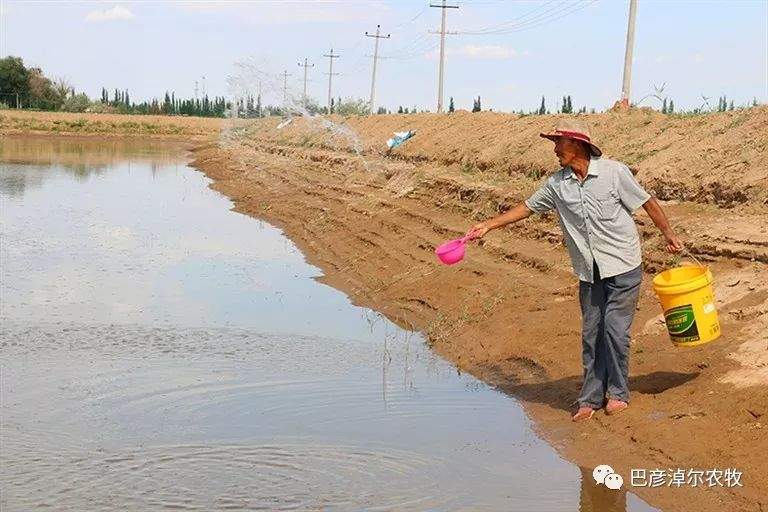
x: 705, y: 278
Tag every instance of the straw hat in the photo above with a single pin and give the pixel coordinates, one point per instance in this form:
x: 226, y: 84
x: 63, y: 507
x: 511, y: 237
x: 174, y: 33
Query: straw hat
x: 573, y: 129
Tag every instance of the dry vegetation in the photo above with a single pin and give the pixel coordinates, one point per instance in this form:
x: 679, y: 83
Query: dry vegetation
x: 719, y: 158
x: 175, y: 127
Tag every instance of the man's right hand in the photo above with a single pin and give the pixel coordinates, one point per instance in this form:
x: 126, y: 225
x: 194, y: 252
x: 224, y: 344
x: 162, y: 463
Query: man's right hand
x: 478, y: 230
x: 519, y: 212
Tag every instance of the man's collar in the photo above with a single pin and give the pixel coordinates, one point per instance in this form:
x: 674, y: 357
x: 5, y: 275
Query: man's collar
x: 591, y: 170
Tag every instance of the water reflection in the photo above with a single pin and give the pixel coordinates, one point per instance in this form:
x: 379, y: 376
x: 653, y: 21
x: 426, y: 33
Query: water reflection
x: 81, y: 157
x: 152, y: 340
x: 599, y: 498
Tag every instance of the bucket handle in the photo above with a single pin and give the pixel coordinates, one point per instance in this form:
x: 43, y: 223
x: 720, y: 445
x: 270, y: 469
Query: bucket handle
x: 694, y: 258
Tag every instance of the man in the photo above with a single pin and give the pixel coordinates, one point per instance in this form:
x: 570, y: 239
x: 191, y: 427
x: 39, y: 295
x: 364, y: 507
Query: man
x: 594, y: 199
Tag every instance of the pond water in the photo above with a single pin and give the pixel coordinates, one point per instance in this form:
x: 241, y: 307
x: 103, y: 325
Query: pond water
x: 160, y: 351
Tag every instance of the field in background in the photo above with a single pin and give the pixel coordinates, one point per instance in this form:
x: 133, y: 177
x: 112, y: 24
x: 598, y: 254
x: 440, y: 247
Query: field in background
x: 21, y: 121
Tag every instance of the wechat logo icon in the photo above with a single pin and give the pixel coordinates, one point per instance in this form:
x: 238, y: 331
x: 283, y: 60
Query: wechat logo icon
x: 605, y: 475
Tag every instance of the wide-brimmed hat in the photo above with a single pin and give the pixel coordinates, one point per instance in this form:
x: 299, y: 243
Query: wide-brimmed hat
x: 573, y: 129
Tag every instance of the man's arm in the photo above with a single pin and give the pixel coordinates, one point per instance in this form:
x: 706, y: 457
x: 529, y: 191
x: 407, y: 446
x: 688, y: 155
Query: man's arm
x: 653, y: 208
x: 517, y: 213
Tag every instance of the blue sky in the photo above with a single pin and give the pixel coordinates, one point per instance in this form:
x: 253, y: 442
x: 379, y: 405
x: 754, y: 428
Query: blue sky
x: 548, y: 47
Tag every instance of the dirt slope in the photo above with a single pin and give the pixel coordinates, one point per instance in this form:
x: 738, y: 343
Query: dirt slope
x: 720, y: 158
x: 509, y: 313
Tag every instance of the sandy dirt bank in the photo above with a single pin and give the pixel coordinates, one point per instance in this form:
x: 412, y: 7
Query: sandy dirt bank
x: 509, y: 312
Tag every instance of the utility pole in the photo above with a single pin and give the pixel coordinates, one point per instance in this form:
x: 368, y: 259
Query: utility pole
x: 285, y: 88
x: 443, y: 7
x: 330, y: 56
x: 305, y: 66
x: 628, y: 53
x: 377, y: 36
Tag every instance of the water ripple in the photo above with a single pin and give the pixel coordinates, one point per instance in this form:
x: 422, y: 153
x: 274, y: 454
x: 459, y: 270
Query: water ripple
x: 275, y: 476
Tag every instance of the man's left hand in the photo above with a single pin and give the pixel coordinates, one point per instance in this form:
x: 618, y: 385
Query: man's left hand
x: 674, y: 244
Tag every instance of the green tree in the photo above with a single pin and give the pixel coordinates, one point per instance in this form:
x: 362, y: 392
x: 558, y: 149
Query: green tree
x: 671, y: 108
x: 543, y: 108
x: 63, y: 89
x: 400, y: 109
x: 722, y: 104
x: 76, y: 103
x: 14, y: 80
x: 664, y: 106
x: 353, y: 107
x: 451, y: 107
x: 42, y: 93
x: 477, y: 107
x: 570, y: 105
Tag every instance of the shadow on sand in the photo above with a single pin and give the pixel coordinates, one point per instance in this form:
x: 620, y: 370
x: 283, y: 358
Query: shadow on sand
x: 562, y: 393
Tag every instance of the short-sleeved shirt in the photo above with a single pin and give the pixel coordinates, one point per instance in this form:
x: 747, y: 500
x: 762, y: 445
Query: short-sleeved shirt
x: 596, y: 216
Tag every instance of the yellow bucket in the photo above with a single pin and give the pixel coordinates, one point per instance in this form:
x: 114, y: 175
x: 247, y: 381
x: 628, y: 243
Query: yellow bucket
x: 688, y: 302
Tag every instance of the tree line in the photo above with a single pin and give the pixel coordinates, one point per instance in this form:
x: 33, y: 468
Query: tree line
x: 23, y: 87
x: 28, y: 87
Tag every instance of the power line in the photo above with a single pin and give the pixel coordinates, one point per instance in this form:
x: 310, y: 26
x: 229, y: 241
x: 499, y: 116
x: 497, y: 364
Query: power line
x: 539, y: 20
x: 417, y: 47
x: 422, y: 11
x: 414, y: 54
x: 573, y: 10
x: 518, y: 18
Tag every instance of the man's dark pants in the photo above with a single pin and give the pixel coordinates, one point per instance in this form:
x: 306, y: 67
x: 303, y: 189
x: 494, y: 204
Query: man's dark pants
x: 607, y: 309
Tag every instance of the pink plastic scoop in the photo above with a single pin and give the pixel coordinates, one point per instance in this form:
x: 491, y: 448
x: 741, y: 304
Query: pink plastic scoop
x: 453, y: 251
